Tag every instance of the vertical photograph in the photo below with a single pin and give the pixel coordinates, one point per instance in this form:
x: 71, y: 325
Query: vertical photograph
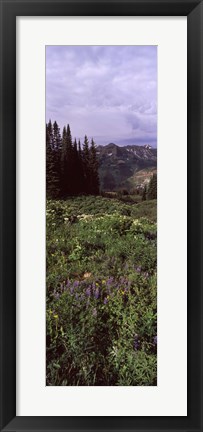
x: 101, y: 215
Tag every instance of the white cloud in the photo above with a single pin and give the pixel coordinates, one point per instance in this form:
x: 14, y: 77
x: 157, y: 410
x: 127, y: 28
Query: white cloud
x: 103, y: 91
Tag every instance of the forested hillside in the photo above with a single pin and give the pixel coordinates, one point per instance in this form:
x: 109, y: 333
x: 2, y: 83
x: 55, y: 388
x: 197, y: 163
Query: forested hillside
x: 74, y: 168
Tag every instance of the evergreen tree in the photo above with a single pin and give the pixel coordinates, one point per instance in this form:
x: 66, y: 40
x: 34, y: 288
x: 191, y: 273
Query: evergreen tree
x: 152, y: 189
x: 86, y: 165
x: 75, y: 170
x: 94, y: 176
x: 66, y: 163
x: 69, y: 170
x: 52, y: 186
x: 81, y: 177
x: 57, y: 147
x: 144, y: 194
x: 63, y: 160
x: 57, y: 143
x: 49, y: 129
x: 79, y: 150
x: 64, y: 136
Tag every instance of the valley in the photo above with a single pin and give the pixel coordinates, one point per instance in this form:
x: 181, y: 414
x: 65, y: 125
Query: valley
x: 125, y: 167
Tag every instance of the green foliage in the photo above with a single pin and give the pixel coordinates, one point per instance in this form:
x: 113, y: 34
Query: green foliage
x: 152, y: 189
x: 53, y: 148
x: 70, y: 171
x: 94, y: 176
x: 101, y: 292
x: 144, y: 194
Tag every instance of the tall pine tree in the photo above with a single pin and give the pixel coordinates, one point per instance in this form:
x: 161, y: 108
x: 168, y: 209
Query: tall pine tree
x: 57, y: 147
x: 81, y: 177
x: 94, y: 176
x: 144, y: 194
x: 52, y: 178
x: 152, y: 189
x: 75, y: 170
x: 66, y: 163
x: 86, y: 165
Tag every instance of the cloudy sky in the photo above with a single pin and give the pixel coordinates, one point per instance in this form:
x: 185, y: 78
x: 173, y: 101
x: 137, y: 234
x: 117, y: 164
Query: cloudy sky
x: 106, y: 92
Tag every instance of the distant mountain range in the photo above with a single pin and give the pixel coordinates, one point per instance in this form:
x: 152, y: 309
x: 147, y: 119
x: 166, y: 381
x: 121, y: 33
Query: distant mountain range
x: 119, y: 166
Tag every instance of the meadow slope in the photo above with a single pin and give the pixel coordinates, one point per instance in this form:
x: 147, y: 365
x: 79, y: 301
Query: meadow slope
x: 101, y: 292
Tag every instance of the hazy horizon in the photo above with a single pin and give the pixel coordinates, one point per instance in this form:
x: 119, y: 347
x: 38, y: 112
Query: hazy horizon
x: 106, y: 92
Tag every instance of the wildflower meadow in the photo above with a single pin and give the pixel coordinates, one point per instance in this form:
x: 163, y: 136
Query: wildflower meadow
x: 101, y: 292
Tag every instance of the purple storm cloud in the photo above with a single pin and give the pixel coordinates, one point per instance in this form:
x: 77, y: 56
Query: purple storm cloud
x: 106, y: 92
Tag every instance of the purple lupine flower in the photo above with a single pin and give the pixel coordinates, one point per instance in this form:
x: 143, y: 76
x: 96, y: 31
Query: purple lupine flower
x: 76, y: 283
x: 138, y: 269
x: 88, y: 292
x: 109, y: 285
x: 136, y: 342
x: 96, y: 293
x: 109, y: 281
x: 105, y: 300
x: 72, y: 289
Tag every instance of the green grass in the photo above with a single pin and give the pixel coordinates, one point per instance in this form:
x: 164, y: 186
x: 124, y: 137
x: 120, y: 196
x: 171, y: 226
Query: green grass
x: 101, y: 292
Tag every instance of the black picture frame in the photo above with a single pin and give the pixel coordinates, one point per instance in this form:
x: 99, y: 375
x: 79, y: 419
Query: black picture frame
x: 193, y: 9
